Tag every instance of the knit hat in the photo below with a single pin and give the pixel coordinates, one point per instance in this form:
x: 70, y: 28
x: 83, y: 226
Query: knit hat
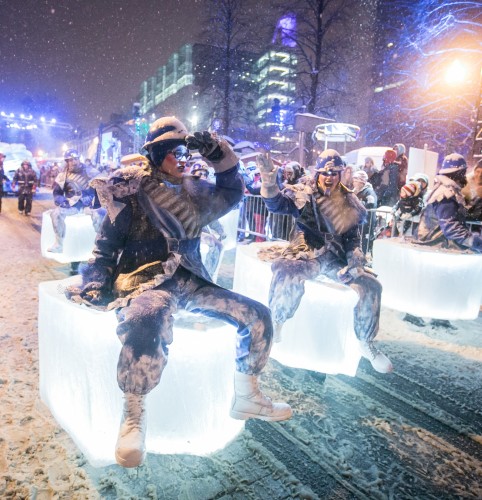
x: 390, y: 156
x: 410, y: 189
x: 360, y: 175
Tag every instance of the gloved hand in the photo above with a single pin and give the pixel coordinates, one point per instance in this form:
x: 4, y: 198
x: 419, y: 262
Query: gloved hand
x: 269, y: 176
x: 93, y: 292
x: 356, y: 258
x: 206, y: 143
x: 64, y: 204
x: 218, y: 153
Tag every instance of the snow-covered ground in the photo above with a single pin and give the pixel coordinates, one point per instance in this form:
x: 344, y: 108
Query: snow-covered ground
x: 416, y: 433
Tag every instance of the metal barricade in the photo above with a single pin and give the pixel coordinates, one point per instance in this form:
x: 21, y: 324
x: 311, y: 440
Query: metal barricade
x: 255, y: 222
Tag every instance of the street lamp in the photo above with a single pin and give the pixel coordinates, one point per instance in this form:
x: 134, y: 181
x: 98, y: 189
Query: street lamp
x: 456, y: 75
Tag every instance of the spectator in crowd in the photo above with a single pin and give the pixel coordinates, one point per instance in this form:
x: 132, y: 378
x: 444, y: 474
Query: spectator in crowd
x: 147, y: 265
x: 26, y: 180
x: 388, y: 190
x: 366, y: 194
x: 369, y: 168
x: 259, y: 211
x: 347, y: 176
x: 292, y: 173
x: 200, y: 169
x: 407, y: 207
x: 72, y: 195
x: 3, y: 177
x: 402, y: 164
x: 325, y: 241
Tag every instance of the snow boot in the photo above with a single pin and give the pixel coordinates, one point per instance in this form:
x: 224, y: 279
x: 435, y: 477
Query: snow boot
x: 442, y: 323
x: 57, y: 247
x: 250, y: 402
x: 415, y: 320
x: 378, y: 360
x: 130, y: 449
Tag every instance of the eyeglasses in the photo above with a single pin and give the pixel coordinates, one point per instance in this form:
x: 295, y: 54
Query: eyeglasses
x: 181, y: 153
x: 328, y: 173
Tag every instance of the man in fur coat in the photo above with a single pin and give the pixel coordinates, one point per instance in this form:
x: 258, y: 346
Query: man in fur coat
x: 442, y: 222
x: 147, y: 265
x: 326, y: 241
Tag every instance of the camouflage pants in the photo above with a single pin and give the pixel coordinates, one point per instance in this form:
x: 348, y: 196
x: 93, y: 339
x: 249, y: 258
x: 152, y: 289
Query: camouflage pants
x: 288, y: 287
x: 146, y: 328
x: 59, y: 214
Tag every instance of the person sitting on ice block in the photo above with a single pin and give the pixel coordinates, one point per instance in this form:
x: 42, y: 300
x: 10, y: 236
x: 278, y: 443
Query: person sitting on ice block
x: 147, y: 265
x: 325, y: 241
x: 72, y: 195
x: 442, y: 222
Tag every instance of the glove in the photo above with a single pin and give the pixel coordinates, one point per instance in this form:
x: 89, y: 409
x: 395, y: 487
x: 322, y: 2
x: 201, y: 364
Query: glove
x: 218, y: 153
x: 356, y: 258
x: 206, y: 143
x: 269, y: 176
x: 93, y: 292
x: 64, y: 204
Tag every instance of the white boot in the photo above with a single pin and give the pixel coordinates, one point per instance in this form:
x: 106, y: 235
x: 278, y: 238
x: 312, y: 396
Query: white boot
x: 250, y: 402
x: 379, y: 361
x: 130, y: 449
x: 57, y: 247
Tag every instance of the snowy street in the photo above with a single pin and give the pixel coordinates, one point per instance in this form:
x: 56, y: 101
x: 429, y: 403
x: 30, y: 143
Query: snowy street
x: 415, y: 433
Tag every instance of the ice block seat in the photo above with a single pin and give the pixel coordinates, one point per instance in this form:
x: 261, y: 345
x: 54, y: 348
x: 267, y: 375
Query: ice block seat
x: 188, y: 412
x: 320, y: 336
x: 428, y: 282
x: 229, y: 222
x: 78, y: 241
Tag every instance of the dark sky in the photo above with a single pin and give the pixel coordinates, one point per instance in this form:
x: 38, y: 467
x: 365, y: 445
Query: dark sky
x: 89, y: 55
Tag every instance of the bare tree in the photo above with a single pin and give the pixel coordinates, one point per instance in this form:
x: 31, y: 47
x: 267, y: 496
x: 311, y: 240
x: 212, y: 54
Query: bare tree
x: 424, y: 98
x: 229, y: 29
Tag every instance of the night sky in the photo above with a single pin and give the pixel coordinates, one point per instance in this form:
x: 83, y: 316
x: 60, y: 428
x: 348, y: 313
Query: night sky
x: 89, y: 56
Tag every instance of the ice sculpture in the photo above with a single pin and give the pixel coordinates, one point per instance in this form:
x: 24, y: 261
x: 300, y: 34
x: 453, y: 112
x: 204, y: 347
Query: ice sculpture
x: 229, y: 223
x: 428, y: 282
x: 320, y: 336
x: 188, y: 412
x: 78, y: 241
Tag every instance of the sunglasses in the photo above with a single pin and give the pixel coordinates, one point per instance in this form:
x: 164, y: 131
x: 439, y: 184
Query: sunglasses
x: 181, y: 153
x: 329, y: 173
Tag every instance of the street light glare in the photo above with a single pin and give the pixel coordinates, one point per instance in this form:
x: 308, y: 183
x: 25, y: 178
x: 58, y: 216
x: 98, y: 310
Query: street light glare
x: 456, y: 73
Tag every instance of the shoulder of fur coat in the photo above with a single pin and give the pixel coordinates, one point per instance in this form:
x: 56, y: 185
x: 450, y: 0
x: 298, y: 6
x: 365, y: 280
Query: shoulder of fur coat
x: 122, y: 182
x: 445, y: 188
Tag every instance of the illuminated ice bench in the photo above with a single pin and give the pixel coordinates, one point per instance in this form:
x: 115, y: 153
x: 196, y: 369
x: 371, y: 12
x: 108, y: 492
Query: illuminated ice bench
x: 230, y: 226
x: 78, y: 241
x: 320, y: 335
x: 188, y: 412
x: 428, y: 282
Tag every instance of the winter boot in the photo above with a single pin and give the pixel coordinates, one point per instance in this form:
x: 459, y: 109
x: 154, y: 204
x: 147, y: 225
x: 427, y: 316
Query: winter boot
x: 57, y: 247
x: 378, y: 360
x: 130, y: 449
x: 415, y: 320
x: 250, y: 402
x: 442, y: 323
